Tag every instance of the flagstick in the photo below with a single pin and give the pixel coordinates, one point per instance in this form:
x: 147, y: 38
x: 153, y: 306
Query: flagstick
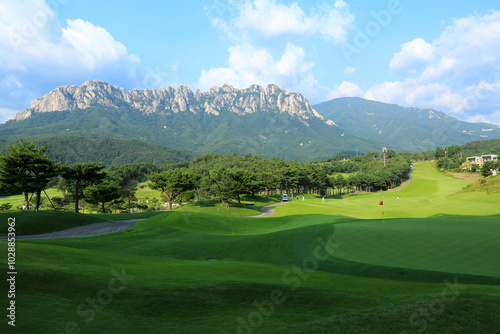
x: 383, y: 215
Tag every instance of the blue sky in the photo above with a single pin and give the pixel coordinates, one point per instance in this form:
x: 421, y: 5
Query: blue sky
x: 429, y: 54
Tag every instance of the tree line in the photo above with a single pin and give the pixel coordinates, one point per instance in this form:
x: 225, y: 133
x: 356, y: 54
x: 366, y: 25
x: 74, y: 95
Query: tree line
x: 227, y: 177
x: 451, y: 158
x: 26, y: 169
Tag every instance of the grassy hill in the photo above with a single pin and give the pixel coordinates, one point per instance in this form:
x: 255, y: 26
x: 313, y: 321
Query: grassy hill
x: 332, y: 267
x: 490, y: 185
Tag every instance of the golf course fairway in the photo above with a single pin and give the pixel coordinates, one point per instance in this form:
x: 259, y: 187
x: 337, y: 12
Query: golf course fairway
x: 426, y: 261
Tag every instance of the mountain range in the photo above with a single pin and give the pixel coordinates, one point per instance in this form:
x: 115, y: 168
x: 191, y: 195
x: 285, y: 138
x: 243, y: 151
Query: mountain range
x: 413, y: 129
x: 97, y: 121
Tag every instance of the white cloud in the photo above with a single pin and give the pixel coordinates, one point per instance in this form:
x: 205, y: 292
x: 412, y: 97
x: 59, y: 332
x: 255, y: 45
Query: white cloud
x: 346, y: 89
x: 270, y: 18
x: 456, y: 73
x: 292, y: 62
x: 478, y: 119
x: 93, y: 44
x: 412, y: 55
x: 251, y: 65
x: 37, y: 53
x: 492, y: 118
x: 468, y: 49
x: 350, y: 70
x: 254, y: 25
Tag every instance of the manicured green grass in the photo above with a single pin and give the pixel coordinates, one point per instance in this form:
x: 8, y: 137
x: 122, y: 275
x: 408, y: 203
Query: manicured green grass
x: 143, y: 191
x: 429, y: 267
x: 249, y: 206
x: 182, y: 295
x: 455, y: 244
x: 430, y: 193
x: 18, y: 200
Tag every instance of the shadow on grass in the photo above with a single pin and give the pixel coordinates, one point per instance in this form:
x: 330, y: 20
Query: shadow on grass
x: 350, y: 268
x: 282, y: 241
x: 466, y: 217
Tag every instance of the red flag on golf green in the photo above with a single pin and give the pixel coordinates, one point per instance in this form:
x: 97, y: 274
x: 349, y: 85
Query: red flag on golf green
x: 381, y: 203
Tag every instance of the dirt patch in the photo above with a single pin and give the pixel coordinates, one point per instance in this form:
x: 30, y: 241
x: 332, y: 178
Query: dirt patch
x: 470, y: 177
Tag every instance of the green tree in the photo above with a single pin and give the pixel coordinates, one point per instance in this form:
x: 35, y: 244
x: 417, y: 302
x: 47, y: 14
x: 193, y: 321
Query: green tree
x: 354, y: 181
x: 244, y: 182
x: 82, y: 175
x: 440, y: 153
x: 223, y: 184
x: 390, y: 154
x: 268, y: 181
x: 442, y: 162
x: 339, y: 183
x: 102, y: 193
x: 488, y: 166
x: 26, y: 169
x: 127, y: 177
x: 453, y: 150
x: 320, y: 180
x: 171, y: 183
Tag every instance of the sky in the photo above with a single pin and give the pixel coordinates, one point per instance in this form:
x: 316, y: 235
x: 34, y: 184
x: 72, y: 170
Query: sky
x: 442, y: 54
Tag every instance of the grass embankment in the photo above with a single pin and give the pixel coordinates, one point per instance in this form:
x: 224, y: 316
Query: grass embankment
x: 489, y: 185
x: 430, y: 267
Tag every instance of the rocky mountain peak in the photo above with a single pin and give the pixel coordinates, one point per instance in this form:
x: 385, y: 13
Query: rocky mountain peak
x: 167, y: 100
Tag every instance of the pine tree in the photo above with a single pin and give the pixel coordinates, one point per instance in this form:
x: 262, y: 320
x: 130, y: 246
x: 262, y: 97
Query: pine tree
x: 82, y: 175
x: 26, y: 169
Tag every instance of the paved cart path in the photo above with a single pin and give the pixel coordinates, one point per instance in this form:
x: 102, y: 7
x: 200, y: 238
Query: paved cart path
x: 405, y: 184
x: 401, y: 187
x: 267, y: 211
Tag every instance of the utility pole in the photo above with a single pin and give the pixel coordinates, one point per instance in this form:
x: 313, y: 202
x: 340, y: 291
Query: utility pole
x: 384, y: 150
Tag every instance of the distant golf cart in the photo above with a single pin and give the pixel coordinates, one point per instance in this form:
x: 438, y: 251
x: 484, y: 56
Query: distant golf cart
x: 285, y: 198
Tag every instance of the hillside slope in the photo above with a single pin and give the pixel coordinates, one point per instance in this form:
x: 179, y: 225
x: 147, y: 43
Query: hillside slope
x: 481, y: 147
x: 490, y: 185
x: 413, y: 129
x: 266, y: 122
